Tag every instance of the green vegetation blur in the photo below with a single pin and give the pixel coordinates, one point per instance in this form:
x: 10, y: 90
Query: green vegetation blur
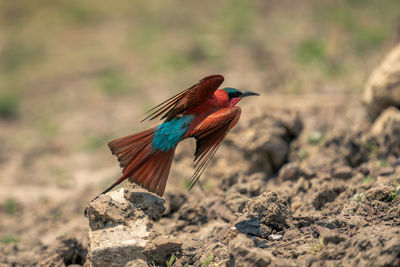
x: 124, y: 48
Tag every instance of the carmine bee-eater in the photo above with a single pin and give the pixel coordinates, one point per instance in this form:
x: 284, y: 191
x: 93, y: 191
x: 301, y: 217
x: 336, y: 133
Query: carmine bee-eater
x: 201, y: 112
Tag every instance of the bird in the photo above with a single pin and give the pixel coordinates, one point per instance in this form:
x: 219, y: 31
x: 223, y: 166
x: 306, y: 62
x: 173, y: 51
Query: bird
x: 202, y: 111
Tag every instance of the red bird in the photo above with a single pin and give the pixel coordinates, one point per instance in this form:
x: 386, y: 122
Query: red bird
x: 201, y: 112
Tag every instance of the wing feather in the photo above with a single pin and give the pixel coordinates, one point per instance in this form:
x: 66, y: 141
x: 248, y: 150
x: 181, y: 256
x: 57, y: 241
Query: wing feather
x: 209, y: 135
x: 191, y: 97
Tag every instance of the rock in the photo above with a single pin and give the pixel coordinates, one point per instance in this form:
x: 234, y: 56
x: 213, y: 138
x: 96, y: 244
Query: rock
x: 120, y: 225
x: 145, y: 201
x: 107, y: 211
x: 292, y: 171
x: 326, y: 195
x: 65, y: 252
x: 342, y: 172
x: 160, y: 249
x: 383, y: 86
x: 381, y: 193
x: 263, y: 214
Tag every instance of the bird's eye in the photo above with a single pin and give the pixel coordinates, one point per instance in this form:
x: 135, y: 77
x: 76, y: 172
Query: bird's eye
x: 235, y: 94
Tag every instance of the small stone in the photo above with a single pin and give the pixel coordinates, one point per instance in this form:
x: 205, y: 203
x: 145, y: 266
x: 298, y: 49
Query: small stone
x: 275, y: 237
x: 342, y: 172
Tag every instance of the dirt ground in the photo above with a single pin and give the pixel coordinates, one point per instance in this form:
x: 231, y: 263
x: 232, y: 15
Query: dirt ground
x: 75, y: 75
x: 335, y: 192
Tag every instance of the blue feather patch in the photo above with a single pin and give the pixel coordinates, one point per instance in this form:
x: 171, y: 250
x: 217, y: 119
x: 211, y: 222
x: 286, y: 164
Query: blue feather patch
x: 170, y: 133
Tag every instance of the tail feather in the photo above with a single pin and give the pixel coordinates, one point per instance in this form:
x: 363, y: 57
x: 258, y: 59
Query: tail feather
x: 141, y: 163
x: 162, y: 182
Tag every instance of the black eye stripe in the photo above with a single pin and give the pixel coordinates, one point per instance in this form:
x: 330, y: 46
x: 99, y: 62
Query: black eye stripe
x: 235, y: 94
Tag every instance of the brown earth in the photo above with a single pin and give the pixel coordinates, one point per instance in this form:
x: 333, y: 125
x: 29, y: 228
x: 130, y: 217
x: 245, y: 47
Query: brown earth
x: 275, y: 198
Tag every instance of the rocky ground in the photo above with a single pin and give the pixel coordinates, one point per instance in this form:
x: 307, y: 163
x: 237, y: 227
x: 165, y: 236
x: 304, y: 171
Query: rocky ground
x: 337, y: 206
x: 280, y: 195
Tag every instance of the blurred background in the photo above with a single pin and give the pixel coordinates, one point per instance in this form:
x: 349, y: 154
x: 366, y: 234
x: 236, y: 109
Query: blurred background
x: 76, y: 74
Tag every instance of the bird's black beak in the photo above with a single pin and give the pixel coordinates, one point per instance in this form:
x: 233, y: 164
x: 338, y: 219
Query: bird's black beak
x: 248, y: 93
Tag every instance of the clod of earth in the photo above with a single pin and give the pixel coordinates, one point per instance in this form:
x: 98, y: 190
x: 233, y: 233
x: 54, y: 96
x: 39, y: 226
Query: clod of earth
x: 264, y: 214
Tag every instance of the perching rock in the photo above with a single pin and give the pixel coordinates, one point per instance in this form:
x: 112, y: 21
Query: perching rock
x: 383, y: 86
x: 120, y: 225
x: 148, y: 203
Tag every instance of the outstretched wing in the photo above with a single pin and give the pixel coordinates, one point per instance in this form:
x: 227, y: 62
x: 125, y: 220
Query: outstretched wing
x: 209, y: 135
x: 191, y: 97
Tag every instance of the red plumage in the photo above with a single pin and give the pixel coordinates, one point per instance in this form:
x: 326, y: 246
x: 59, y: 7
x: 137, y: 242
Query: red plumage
x: 214, y: 113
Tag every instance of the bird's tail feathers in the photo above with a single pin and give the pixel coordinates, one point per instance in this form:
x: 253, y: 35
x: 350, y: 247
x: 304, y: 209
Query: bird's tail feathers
x: 141, y: 163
